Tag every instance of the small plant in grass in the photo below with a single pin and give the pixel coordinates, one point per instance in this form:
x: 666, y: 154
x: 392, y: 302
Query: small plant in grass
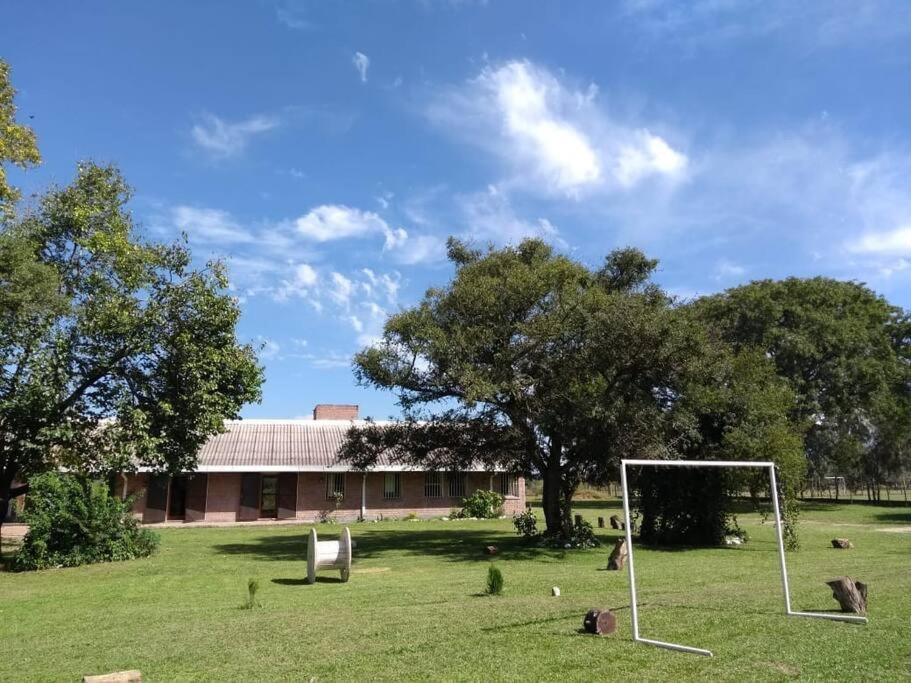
x: 526, y: 524
x: 494, y: 581
x: 481, y: 504
x: 412, y: 517
x: 251, y: 601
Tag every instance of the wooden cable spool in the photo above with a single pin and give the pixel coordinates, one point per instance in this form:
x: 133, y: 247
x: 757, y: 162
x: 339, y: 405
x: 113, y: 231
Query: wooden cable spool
x: 329, y: 555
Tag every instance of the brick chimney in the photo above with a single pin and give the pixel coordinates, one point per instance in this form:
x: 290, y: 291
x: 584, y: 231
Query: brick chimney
x: 334, y: 411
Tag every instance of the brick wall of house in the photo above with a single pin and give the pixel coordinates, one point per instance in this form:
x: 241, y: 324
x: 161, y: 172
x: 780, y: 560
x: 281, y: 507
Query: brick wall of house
x: 223, y: 497
x: 335, y: 411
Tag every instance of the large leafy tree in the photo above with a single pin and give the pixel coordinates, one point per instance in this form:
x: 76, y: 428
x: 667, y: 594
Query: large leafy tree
x: 114, y: 352
x: 845, y: 352
x: 530, y: 361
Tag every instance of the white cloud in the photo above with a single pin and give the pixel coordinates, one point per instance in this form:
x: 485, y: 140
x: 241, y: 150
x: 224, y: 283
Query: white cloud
x: 490, y: 216
x: 361, y: 63
x: 726, y: 270
x: 334, y: 222
x: 889, y: 242
x: 209, y: 225
x: 341, y: 289
x: 330, y: 222
x: 650, y: 155
x: 553, y: 137
x: 222, y: 139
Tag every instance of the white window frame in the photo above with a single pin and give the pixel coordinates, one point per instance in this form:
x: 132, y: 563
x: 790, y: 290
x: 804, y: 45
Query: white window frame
x: 770, y: 466
x: 396, y: 485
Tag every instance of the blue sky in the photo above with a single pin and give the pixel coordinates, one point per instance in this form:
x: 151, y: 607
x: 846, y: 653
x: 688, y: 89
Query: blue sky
x: 327, y: 149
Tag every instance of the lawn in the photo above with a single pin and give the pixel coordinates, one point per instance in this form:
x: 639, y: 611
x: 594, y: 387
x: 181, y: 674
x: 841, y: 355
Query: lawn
x: 413, y: 608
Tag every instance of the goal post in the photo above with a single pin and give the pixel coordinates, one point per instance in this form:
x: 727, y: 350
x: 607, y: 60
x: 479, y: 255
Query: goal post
x: 770, y: 466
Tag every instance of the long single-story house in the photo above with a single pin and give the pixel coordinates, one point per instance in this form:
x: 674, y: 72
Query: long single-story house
x: 289, y: 469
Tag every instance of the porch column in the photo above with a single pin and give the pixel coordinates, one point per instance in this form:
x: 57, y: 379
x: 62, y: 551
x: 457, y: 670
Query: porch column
x: 364, y: 497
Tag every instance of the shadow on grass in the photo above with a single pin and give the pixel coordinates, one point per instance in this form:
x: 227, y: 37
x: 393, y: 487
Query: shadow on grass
x: 894, y: 515
x: 454, y: 545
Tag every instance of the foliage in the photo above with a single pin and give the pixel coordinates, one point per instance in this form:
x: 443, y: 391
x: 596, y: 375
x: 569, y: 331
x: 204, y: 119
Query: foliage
x: 844, y: 352
x: 114, y: 353
x: 481, y: 505
x: 17, y: 143
x: 74, y: 520
x: 530, y: 361
x: 252, y: 589
x: 582, y: 536
x: 526, y: 523
x: 494, y: 581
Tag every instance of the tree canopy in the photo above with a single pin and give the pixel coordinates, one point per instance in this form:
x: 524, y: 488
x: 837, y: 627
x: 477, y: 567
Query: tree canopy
x: 115, y: 352
x: 844, y: 350
x: 531, y: 361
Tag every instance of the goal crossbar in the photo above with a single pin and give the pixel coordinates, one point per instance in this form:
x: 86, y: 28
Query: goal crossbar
x: 770, y: 466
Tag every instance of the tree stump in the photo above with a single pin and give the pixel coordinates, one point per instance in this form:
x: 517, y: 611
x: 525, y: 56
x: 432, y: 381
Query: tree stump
x: 615, y: 522
x: 577, y: 519
x: 600, y: 622
x: 490, y: 550
x: 842, y: 543
x: 618, y: 555
x: 851, y: 594
x: 600, y: 522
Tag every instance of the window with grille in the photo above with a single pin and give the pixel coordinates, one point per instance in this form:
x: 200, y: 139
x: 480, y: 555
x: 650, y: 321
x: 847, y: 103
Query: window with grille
x: 456, y: 484
x: 268, y: 499
x: 433, y: 485
x: 335, y: 485
x: 392, y: 485
x: 509, y: 485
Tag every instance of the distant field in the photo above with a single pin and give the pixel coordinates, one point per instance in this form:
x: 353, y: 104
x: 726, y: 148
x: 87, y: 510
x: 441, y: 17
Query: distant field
x: 412, y: 609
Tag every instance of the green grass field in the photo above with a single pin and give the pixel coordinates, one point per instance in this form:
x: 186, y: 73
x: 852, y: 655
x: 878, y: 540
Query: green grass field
x: 414, y: 610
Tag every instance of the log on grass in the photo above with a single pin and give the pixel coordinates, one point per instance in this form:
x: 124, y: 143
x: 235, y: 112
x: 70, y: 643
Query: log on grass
x: 618, y: 555
x: 842, y: 543
x: 600, y: 622
x: 116, y: 677
x: 851, y: 594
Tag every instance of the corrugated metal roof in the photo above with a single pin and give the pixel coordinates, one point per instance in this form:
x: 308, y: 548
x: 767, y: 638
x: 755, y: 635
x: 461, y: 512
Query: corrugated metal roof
x: 285, y: 444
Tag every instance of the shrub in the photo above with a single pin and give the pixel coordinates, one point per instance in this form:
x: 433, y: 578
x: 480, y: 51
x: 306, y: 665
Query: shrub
x: 74, y: 520
x: 526, y: 524
x: 481, y: 504
x: 583, y: 536
x: 494, y: 581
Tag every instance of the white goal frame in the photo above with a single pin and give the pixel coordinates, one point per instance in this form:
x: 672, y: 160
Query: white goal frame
x: 770, y: 466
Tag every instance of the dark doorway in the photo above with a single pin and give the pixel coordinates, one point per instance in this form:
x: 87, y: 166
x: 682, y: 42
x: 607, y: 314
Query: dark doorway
x: 177, y: 501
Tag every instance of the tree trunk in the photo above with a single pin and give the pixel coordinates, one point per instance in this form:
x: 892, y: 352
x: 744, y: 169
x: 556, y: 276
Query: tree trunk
x: 557, y: 494
x: 851, y: 594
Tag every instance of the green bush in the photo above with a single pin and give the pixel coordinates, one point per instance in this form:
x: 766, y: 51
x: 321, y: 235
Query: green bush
x: 583, y: 536
x: 494, y: 581
x: 526, y: 524
x: 74, y: 520
x: 481, y: 504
